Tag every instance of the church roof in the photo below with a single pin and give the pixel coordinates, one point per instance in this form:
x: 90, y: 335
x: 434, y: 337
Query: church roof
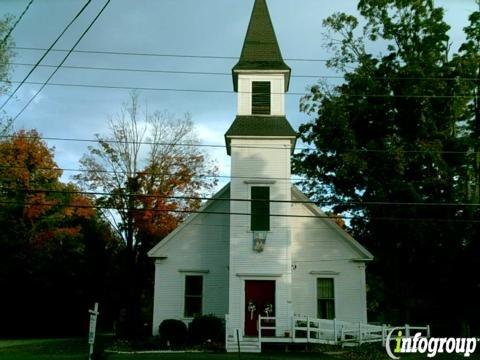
x: 260, y: 49
x: 251, y: 125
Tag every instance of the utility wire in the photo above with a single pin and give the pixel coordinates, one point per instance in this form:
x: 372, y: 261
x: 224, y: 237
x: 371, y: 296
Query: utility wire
x: 108, y: 141
x: 188, y: 56
x: 160, y: 71
x: 15, y: 24
x: 130, y: 88
x: 104, y: 171
x: 46, y: 52
x: 206, y: 198
x: 64, y: 59
x: 116, y: 172
x: 17, y: 203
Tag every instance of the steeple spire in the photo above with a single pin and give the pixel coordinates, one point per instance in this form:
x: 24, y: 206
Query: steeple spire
x: 260, y: 49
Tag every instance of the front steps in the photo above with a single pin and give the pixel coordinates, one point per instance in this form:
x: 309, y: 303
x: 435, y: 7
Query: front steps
x: 247, y: 345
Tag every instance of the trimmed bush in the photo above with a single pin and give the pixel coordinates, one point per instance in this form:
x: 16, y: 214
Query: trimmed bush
x: 173, y: 332
x: 207, y: 329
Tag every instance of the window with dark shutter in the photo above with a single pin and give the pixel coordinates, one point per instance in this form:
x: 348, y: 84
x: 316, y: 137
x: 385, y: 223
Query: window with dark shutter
x: 193, y: 295
x: 261, y: 98
x: 260, y: 208
x: 325, y: 299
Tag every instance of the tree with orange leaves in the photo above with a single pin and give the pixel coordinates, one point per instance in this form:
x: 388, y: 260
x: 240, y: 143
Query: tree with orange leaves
x: 31, y: 189
x: 51, y: 241
x: 151, y: 173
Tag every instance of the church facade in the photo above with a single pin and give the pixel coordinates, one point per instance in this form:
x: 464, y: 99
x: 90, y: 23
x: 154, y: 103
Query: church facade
x: 260, y: 247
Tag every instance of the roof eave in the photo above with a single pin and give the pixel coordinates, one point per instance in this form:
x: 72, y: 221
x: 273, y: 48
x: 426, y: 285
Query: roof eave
x: 229, y: 137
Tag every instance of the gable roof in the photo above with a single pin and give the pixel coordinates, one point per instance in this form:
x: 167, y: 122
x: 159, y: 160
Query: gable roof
x: 365, y: 254
x: 188, y: 220
x: 248, y: 125
x: 260, y: 48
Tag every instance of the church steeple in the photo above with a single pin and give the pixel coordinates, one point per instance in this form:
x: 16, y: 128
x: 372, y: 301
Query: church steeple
x: 260, y: 49
x: 261, y: 79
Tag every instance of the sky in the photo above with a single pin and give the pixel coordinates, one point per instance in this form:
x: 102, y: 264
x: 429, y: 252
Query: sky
x: 184, y: 27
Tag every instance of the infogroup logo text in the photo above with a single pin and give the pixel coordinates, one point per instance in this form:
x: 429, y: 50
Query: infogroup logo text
x: 430, y: 346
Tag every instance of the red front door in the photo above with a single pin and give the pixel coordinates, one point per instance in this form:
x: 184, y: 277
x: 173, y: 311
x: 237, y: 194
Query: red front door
x: 259, y: 297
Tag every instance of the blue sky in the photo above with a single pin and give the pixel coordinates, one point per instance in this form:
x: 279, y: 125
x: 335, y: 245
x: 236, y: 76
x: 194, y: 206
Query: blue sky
x: 206, y: 27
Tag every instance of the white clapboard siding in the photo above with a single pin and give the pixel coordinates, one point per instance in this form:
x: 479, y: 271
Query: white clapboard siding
x: 277, y: 83
x: 198, y: 248
x: 260, y: 162
x: 320, y: 250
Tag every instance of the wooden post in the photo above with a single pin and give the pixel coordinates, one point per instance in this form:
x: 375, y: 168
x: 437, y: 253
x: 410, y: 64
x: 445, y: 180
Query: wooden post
x: 308, y: 329
x: 238, y: 344
x: 259, y: 329
x: 92, y: 329
x: 360, y: 333
x: 227, y: 330
x: 292, y: 334
x: 407, y: 330
x: 384, y: 335
x: 335, y: 331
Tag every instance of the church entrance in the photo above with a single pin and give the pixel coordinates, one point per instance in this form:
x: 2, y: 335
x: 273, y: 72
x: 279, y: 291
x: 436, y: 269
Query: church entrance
x: 259, y: 300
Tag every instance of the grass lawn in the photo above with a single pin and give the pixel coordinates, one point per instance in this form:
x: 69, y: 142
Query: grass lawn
x: 77, y: 349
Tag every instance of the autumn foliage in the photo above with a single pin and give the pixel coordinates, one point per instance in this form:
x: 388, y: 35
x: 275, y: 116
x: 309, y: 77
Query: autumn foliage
x: 30, y: 188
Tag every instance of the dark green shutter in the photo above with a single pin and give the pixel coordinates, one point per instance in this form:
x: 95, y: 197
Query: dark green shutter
x: 261, y: 98
x: 260, y: 208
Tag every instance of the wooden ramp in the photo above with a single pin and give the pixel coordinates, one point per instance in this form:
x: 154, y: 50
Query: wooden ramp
x: 305, y: 329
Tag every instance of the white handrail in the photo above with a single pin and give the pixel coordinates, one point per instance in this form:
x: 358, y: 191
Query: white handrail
x: 309, y: 329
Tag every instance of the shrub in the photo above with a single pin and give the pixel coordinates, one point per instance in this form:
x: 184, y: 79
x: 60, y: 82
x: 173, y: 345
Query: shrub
x: 207, y: 329
x: 174, y: 332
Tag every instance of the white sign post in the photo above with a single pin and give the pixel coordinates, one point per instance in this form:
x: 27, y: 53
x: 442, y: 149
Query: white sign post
x: 92, y: 328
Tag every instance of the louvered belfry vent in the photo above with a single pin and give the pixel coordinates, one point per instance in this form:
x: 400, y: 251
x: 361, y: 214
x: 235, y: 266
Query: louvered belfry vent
x: 261, y: 98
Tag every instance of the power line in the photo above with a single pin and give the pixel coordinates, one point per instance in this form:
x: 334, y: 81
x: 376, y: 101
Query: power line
x: 130, y: 88
x: 121, y: 69
x: 212, y: 176
x: 46, y: 52
x: 108, y: 141
x: 15, y: 24
x: 154, y: 54
x: 155, y: 173
x: 64, y: 59
x: 188, y: 56
x: 17, y: 203
x: 206, y: 198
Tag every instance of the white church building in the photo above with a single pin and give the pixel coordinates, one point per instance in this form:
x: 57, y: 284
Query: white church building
x: 260, y: 247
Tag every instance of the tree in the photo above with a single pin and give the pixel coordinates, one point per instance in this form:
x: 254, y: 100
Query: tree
x: 5, y: 54
x: 387, y: 140
x: 468, y: 63
x: 149, y: 173
x: 50, y: 244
